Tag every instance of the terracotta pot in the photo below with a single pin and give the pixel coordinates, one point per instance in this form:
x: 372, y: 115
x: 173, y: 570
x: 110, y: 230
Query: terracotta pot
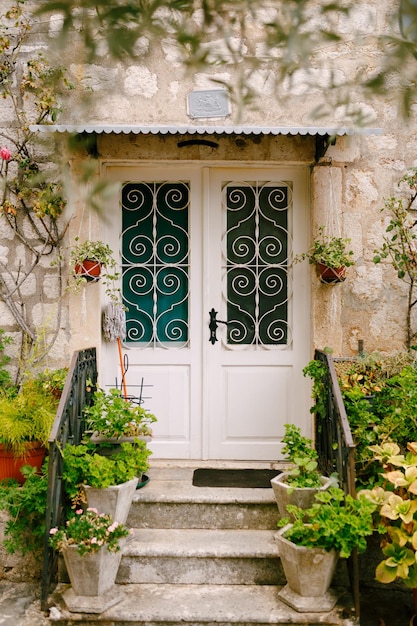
x: 331, y: 275
x: 89, y: 269
x: 10, y: 464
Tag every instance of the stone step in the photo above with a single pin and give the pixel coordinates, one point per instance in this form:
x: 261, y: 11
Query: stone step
x: 202, y: 556
x: 199, y: 556
x: 202, y: 605
x: 170, y: 500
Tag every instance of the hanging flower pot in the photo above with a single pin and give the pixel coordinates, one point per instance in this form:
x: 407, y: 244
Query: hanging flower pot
x: 91, y: 260
x: 88, y: 269
x: 331, y: 275
x: 331, y: 255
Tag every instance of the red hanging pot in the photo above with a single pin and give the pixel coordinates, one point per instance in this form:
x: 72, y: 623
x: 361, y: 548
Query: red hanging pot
x: 331, y: 275
x: 89, y: 269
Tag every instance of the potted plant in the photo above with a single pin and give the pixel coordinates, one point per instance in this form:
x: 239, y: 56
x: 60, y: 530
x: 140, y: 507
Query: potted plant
x: 396, y: 502
x: 105, y: 482
x: 26, y: 420
x: 91, y: 544
x: 299, y: 484
x: 309, y: 547
x: 330, y: 254
x: 92, y: 260
x: 113, y: 419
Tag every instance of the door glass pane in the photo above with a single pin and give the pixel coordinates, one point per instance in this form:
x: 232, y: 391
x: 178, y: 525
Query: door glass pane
x: 155, y: 262
x: 256, y: 263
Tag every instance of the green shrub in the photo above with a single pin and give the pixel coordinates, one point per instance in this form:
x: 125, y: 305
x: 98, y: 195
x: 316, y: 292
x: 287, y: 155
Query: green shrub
x: 26, y: 506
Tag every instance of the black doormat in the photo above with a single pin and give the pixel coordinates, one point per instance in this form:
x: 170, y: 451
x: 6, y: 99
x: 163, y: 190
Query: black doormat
x: 245, y: 478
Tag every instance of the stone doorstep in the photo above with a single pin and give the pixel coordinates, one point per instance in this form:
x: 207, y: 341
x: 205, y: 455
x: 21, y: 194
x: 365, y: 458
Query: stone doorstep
x: 195, y: 556
x: 160, y: 504
x: 198, y: 605
x: 199, y: 542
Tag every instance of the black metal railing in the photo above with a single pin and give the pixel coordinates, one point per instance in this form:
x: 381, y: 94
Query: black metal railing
x: 334, y: 441
x: 336, y: 449
x: 68, y: 427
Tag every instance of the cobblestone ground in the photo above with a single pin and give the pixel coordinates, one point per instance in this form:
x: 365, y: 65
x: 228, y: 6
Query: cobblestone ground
x: 20, y: 605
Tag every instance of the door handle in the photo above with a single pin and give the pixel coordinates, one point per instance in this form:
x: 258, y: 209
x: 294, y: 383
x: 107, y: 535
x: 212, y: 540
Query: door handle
x: 213, y: 324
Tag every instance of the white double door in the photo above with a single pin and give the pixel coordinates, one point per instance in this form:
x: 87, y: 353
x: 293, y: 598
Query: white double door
x: 201, y: 246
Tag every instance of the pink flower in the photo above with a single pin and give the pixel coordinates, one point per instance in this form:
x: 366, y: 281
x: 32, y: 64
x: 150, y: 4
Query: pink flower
x: 92, y: 509
x: 53, y: 531
x: 5, y: 154
x: 94, y: 540
x: 79, y: 511
x: 113, y: 527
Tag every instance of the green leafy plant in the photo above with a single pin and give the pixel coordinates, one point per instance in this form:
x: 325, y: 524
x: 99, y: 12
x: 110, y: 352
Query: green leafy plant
x: 335, y: 521
x: 329, y: 250
x: 112, y: 416
x: 83, y: 465
x: 380, y: 397
x: 26, y: 506
x: 299, y: 450
x: 396, y: 502
x: 88, y: 531
x: 26, y: 417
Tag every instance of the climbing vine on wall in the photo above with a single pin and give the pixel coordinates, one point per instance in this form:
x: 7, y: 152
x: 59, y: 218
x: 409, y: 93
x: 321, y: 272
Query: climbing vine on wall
x: 31, y: 193
x: 400, y: 244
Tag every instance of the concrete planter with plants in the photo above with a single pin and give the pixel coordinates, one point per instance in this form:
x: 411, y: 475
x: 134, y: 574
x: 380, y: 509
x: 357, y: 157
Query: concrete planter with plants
x: 299, y: 485
x: 115, y: 500
x: 309, y: 573
x: 107, y: 482
x: 91, y: 544
x: 309, y: 547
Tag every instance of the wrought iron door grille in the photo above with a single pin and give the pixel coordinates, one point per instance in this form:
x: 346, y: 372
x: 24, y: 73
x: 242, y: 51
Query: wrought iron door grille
x: 155, y: 263
x: 256, y: 250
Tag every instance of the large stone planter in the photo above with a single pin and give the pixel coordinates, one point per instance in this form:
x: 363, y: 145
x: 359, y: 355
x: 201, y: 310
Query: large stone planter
x: 92, y: 579
x: 115, y: 500
x: 309, y: 573
x: 302, y: 497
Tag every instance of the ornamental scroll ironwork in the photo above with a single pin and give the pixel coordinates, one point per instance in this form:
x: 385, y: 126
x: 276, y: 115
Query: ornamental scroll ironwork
x: 155, y: 264
x: 256, y: 263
